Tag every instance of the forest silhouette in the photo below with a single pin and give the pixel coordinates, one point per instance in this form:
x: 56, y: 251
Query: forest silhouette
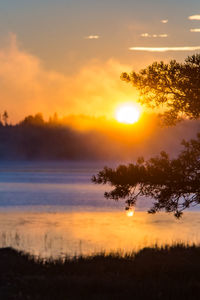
x: 67, y: 139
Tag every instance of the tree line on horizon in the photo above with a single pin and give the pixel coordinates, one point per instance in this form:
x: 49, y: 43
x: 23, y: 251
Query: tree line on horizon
x: 33, y: 138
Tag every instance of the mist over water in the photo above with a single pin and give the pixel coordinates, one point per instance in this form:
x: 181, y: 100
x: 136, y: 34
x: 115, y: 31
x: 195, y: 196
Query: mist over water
x: 53, y: 209
x: 55, y: 234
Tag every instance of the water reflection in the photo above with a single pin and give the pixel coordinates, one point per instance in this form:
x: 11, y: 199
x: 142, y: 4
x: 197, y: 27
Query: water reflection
x: 56, y: 234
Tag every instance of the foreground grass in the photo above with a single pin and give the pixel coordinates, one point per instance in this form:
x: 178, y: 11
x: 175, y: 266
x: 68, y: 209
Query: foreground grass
x: 152, y: 273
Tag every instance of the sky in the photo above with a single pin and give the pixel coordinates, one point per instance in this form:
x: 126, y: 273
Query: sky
x: 66, y: 56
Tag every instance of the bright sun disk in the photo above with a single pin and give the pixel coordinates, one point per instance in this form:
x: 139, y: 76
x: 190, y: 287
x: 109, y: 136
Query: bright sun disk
x: 127, y: 113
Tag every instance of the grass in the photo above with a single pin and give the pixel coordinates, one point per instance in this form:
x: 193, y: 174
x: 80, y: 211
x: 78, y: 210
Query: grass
x: 152, y: 273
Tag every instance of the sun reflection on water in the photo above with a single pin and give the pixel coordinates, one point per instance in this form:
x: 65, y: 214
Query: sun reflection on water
x: 130, y: 212
x: 48, y: 234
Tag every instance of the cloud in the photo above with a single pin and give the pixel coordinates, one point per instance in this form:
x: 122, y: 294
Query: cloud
x: 164, y: 49
x: 164, y: 35
x: 27, y: 87
x: 147, y: 35
x: 195, y: 30
x: 194, y: 17
x: 92, y: 37
x: 165, y: 21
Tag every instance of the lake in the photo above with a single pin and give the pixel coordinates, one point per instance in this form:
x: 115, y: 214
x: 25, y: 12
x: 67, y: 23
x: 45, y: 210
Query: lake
x: 53, y: 209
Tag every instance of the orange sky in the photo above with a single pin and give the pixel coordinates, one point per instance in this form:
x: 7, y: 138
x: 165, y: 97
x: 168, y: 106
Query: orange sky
x: 67, y: 56
x: 27, y: 87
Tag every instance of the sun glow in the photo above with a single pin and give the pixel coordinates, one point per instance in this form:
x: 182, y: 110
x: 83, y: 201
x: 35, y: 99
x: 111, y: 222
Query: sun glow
x: 127, y: 113
x: 130, y: 212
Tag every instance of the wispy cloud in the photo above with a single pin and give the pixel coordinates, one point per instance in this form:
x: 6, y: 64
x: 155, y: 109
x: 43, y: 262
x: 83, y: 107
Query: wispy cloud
x: 194, y: 17
x: 147, y: 35
x: 92, y: 37
x: 164, y: 21
x: 164, y: 49
x: 195, y: 30
x: 164, y: 35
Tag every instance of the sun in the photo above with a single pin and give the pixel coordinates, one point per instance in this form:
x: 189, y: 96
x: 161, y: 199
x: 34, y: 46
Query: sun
x: 127, y: 113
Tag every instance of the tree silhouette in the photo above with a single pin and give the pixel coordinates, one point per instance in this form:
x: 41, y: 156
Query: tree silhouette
x: 175, y: 87
x: 174, y: 184
x: 36, y: 120
x: 5, y: 118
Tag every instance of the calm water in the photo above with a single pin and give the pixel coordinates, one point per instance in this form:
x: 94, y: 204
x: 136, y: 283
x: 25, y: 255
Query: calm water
x: 50, y: 209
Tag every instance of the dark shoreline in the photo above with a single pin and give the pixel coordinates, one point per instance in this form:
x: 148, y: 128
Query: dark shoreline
x: 152, y: 273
